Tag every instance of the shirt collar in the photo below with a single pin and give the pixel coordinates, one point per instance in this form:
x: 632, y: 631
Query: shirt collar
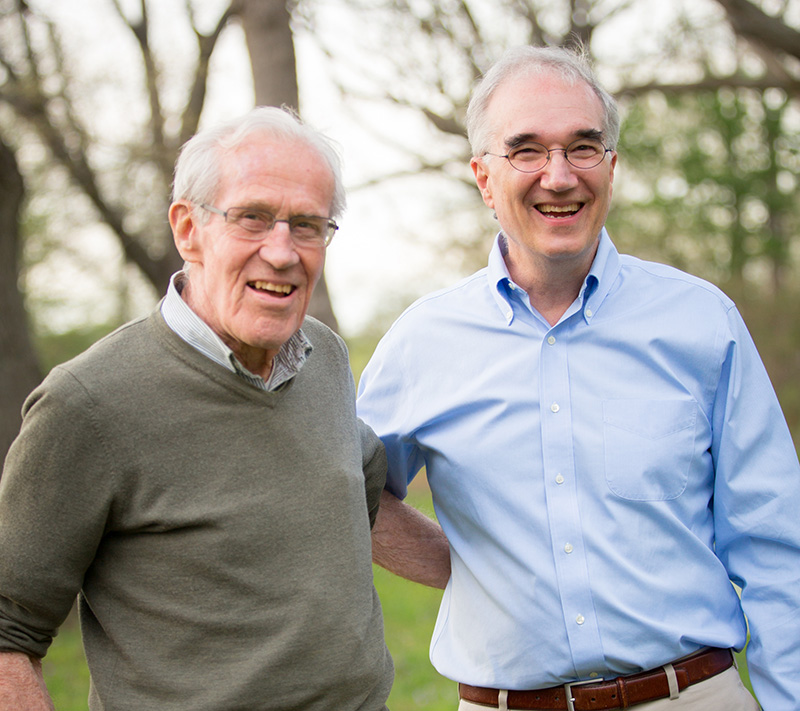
x: 198, y: 334
x: 594, y: 289
x: 601, y: 277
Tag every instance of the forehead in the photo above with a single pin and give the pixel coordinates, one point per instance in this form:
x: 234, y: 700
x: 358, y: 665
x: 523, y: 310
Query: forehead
x: 543, y: 107
x: 272, y: 169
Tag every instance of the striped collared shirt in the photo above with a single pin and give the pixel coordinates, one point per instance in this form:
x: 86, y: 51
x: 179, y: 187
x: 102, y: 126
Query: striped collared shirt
x: 198, y: 334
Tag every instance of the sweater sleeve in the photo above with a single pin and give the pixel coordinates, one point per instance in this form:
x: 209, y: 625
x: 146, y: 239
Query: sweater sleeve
x: 374, y: 465
x: 54, y: 502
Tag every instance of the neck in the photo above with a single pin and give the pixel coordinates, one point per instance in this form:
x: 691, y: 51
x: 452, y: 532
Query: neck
x: 256, y: 360
x: 551, y: 284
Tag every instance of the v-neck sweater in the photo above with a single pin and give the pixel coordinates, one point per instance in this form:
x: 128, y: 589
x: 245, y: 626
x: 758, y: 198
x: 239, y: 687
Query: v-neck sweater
x: 218, y: 536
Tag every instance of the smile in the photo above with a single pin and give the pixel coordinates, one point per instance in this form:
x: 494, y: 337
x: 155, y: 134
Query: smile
x: 559, y: 211
x: 281, y: 290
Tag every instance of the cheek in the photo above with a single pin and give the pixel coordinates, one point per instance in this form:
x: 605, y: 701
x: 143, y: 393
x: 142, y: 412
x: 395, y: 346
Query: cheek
x: 313, y: 269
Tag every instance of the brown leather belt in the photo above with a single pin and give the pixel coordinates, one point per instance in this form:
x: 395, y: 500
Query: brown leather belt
x: 619, y: 693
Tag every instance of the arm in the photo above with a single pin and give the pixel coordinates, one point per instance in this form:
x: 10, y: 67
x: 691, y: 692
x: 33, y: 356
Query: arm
x: 410, y: 544
x: 22, y: 683
x: 757, y: 535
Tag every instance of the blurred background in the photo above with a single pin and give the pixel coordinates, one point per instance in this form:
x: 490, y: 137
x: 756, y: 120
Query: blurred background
x: 96, y: 97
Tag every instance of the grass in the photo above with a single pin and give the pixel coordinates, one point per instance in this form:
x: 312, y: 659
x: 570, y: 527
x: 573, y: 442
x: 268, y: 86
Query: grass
x: 409, y: 614
x: 65, y: 669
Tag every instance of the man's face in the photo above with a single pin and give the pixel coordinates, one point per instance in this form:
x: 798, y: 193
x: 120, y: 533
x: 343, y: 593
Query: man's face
x: 556, y: 214
x: 255, y: 293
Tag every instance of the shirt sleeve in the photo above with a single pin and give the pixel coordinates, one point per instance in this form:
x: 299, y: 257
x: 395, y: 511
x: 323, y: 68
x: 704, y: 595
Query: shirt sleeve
x: 384, y: 402
x: 53, y: 511
x: 757, y: 528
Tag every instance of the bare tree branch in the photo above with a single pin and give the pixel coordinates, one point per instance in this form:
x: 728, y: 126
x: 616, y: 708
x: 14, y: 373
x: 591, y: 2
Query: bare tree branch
x: 752, y: 23
x: 141, y: 31
x: 713, y: 84
x: 197, y: 94
x: 19, y: 369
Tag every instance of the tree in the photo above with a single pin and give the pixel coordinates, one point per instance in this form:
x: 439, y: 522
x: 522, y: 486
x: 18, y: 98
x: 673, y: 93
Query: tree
x: 36, y: 84
x: 769, y: 32
x: 39, y: 88
x: 19, y: 372
x: 448, y: 44
x: 270, y: 44
x: 126, y: 178
x: 710, y: 92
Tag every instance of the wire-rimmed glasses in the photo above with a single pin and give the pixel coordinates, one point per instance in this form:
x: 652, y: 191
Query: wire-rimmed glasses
x: 531, y: 157
x: 305, y: 230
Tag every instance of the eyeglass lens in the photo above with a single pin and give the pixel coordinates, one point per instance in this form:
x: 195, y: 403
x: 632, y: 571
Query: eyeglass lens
x: 303, y: 228
x: 583, y: 153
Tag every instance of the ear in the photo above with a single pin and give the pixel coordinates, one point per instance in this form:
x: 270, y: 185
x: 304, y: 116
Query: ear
x: 482, y: 180
x: 611, y: 173
x: 184, y: 230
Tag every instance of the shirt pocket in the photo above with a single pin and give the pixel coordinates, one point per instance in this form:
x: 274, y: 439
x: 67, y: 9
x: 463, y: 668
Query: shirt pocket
x: 649, y: 447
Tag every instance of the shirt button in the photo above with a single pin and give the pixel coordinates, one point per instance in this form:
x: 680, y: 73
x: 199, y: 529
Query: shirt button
x: 551, y: 340
x: 568, y: 548
x: 580, y: 619
x: 559, y: 479
x: 588, y: 313
x: 554, y: 407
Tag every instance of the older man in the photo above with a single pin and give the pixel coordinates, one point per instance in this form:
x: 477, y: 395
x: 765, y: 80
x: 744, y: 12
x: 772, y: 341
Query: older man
x: 199, y: 478
x: 605, y: 450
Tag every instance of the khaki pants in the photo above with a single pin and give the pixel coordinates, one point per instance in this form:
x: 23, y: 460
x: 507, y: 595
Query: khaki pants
x: 723, y: 692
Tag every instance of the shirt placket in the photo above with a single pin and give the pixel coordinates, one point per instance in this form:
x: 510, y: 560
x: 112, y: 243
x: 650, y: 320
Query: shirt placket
x: 561, y: 492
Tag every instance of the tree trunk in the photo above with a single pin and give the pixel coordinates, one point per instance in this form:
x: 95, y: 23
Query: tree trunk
x: 268, y: 33
x: 19, y: 370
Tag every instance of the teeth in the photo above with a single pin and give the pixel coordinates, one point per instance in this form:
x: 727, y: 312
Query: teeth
x: 269, y: 286
x: 559, y: 208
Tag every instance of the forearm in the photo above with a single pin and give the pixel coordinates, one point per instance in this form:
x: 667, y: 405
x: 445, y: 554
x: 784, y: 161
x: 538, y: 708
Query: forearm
x: 409, y: 544
x: 22, y: 684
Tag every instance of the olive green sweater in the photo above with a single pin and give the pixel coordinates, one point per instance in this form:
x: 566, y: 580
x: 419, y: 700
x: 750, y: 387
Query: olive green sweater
x: 218, y: 535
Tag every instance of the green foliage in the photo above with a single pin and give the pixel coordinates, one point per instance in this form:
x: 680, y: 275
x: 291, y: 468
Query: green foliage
x: 55, y: 348
x: 777, y: 335
x: 709, y: 183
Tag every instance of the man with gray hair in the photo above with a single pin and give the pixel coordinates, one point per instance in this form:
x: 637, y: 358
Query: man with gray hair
x: 605, y: 450
x: 199, y: 478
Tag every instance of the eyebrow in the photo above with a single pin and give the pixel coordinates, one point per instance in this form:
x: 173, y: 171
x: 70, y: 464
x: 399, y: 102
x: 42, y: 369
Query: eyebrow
x: 522, y: 138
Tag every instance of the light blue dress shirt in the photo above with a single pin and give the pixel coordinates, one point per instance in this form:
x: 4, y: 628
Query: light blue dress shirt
x: 600, y: 481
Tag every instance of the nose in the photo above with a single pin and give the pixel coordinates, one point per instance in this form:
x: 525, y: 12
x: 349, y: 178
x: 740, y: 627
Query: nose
x: 558, y: 175
x: 277, y: 248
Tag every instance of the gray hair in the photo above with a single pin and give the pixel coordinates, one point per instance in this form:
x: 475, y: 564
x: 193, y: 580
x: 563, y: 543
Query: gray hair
x: 572, y: 66
x: 197, y: 170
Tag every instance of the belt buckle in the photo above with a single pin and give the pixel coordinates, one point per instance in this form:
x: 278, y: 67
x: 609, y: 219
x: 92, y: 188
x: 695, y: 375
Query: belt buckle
x: 568, y: 690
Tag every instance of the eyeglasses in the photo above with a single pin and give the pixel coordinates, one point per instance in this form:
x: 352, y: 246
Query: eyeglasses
x: 531, y: 157
x: 305, y: 230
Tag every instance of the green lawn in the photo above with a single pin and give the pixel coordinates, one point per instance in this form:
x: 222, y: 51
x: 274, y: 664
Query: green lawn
x: 65, y: 669
x: 409, y: 613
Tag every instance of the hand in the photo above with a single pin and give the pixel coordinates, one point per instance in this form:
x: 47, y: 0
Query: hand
x: 22, y: 686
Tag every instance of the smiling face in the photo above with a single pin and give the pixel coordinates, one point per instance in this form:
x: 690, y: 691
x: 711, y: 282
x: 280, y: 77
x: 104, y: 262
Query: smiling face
x: 255, y: 294
x: 553, y: 217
